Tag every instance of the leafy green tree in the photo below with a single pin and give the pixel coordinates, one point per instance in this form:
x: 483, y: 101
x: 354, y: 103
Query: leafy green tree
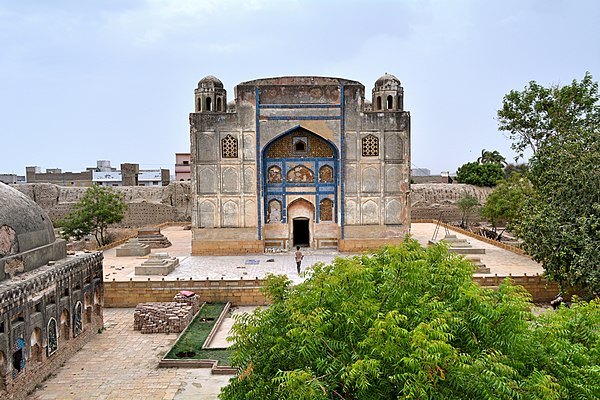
x: 560, y: 220
x: 98, y: 208
x: 409, y: 323
x: 467, y: 204
x: 504, y: 204
x: 478, y: 174
x: 538, y: 113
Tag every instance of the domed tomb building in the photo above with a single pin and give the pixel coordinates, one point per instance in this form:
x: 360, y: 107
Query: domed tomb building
x: 299, y: 161
x: 50, y: 303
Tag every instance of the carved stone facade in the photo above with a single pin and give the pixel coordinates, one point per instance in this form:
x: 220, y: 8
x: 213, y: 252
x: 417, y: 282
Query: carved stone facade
x: 299, y: 161
x: 50, y: 303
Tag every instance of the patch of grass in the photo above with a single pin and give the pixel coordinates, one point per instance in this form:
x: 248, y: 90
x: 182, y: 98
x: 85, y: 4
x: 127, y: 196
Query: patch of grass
x: 189, y: 345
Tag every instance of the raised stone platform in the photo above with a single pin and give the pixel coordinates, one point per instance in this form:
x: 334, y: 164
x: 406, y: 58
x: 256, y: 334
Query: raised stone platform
x: 459, y: 246
x: 157, y: 264
x: 133, y: 248
x: 153, y: 238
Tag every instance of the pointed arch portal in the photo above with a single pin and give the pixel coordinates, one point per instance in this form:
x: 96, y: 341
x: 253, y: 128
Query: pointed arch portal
x: 298, y: 167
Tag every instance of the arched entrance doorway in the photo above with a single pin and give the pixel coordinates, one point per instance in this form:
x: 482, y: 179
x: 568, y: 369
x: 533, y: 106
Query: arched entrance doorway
x: 301, y: 216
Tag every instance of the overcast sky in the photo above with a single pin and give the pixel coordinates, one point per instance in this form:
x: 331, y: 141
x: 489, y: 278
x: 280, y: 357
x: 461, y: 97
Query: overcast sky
x: 114, y: 80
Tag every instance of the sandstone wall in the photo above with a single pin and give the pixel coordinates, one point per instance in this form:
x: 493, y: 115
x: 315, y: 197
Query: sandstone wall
x: 146, y: 205
x: 429, y: 200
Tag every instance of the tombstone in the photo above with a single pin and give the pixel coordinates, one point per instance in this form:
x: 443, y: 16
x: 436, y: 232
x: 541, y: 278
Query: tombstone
x: 157, y: 264
x: 132, y: 248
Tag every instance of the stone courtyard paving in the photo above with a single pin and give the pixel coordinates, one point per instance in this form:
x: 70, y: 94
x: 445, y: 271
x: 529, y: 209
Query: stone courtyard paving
x: 121, y: 364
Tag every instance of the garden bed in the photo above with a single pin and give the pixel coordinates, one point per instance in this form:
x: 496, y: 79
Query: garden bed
x: 189, y: 351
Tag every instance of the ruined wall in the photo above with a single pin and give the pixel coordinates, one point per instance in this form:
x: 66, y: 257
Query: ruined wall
x: 154, y: 205
x: 147, y: 205
x: 428, y: 200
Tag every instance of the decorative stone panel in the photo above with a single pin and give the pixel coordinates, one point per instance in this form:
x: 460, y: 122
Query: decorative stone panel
x: 207, y: 214
x: 393, y: 212
x: 249, y: 180
x: 370, y: 180
x: 207, y: 180
x: 249, y: 147
x: 231, y: 214
x: 351, y: 145
x: 394, y: 148
x: 352, y: 213
x: 393, y: 179
x: 351, y: 179
x: 230, y: 180
x: 206, y: 148
x: 370, y: 213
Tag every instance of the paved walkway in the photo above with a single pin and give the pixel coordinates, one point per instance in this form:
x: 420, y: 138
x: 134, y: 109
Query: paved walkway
x: 122, y: 363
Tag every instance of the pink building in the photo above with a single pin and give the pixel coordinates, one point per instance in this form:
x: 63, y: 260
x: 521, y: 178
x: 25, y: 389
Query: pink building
x: 182, y: 167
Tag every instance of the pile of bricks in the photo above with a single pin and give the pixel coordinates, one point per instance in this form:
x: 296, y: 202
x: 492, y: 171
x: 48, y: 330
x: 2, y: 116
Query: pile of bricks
x: 167, y: 317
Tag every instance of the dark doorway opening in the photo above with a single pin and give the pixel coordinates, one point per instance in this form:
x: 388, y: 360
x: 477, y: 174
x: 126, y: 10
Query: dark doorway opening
x: 301, y: 233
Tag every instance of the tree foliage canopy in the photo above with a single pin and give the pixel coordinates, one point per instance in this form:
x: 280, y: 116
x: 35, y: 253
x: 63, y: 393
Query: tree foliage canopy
x: 505, y: 202
x: 409, y: 323
x: 537, y: 113
x: 98, y: 208
x: 478, y: 174
x: 560, y: 221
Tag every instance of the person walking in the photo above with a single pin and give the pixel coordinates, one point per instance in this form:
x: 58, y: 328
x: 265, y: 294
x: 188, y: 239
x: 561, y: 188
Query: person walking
x: 299, y: 257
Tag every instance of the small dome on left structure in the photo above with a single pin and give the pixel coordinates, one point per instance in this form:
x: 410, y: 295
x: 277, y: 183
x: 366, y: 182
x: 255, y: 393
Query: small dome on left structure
x: 27, y: 239
x: 210, y: 82
x: 210, y: 96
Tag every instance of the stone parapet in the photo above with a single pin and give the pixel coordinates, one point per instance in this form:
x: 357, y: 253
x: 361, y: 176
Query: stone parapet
x: 131, y: 293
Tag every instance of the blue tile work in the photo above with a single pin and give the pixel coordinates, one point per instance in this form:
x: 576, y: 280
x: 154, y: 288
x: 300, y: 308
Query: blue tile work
x: 279, y: 191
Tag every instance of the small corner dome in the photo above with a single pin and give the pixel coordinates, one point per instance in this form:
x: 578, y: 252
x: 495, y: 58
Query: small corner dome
x: 210, y: 82
x: 22, y: 219
x: 387, y: 81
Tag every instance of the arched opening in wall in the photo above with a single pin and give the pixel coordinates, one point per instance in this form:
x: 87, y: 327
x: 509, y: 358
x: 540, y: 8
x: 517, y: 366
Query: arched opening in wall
x: 301, y: 232
x: 390, y: 102
x: 326, y: 210
x: 52, y: 337
x: 399, y: 103
x: 208, y: 104
x: 378, y: 103
x: 18, y: 359
x: 199, y: 104
x: 97, y: 302
x: 300, y: 214
x: 77, y: 319
x: 219, y: 104
x: 88, y: 307
x: 36, y: 345
x: 2, y: 371
x: 64, y: 325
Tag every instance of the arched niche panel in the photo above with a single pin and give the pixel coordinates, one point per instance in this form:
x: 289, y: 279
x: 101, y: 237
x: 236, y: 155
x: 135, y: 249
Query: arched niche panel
x: 300, y: 174
x: 207, y: 214
x: 207, y: 181
x: 370, y: 213
x: 231, y: 180
x: 370, y: 180
x: 352, y: 213
x: 230, y: 211
x: 249, y: 180
x: 393, y: 212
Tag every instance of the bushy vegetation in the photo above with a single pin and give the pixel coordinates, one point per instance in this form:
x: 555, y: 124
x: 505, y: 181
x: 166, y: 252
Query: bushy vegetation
x: 474, y: 173
x: 409, y: 323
